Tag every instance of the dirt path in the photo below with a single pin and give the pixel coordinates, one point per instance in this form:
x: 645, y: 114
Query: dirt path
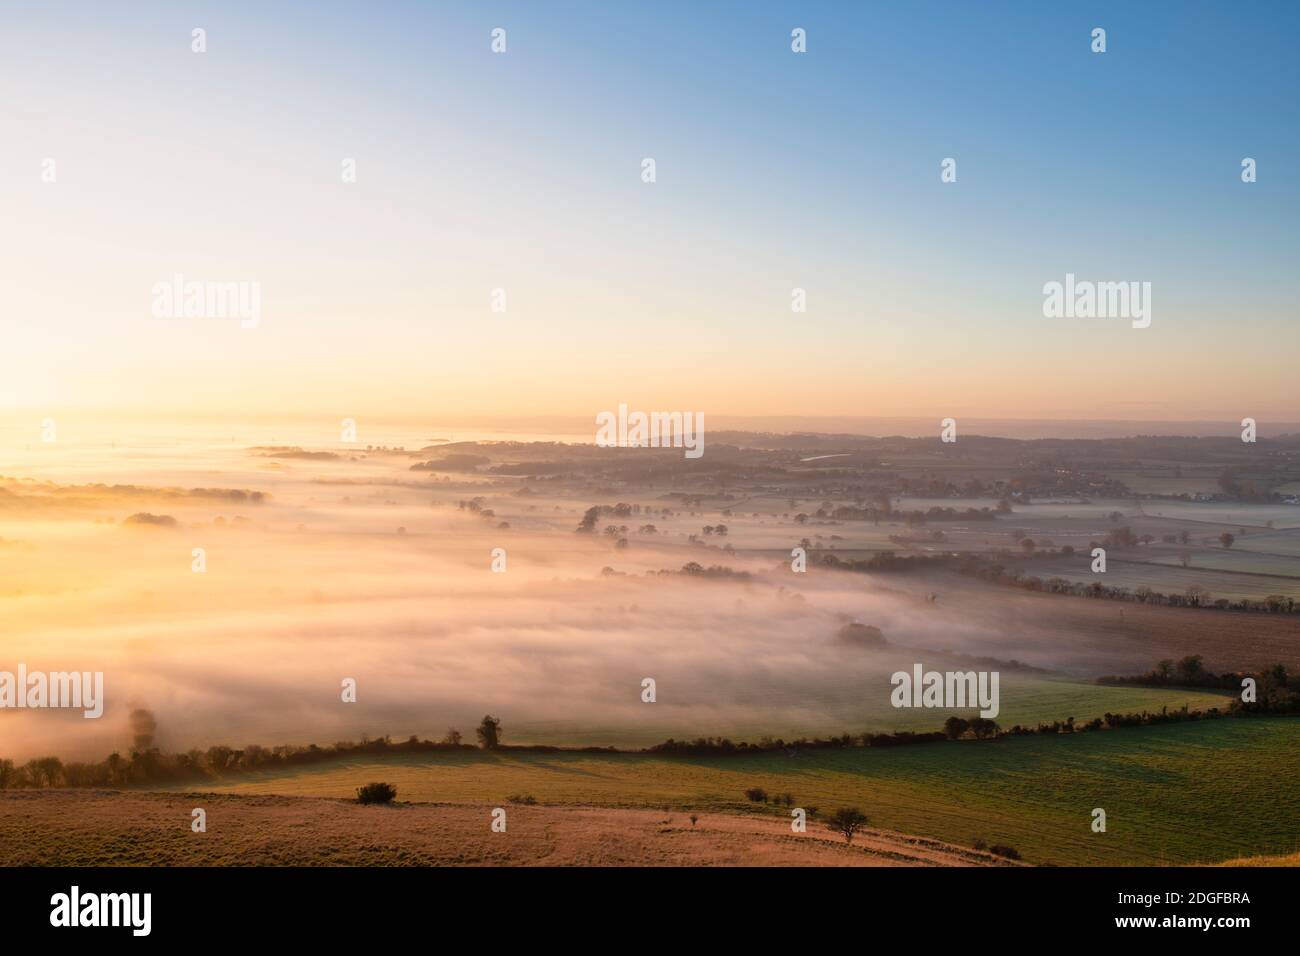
x: 97, y: 827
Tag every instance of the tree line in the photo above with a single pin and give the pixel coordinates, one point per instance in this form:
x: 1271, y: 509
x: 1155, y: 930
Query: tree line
x: 1276, y: 693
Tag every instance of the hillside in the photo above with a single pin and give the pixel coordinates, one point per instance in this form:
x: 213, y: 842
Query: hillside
x: 1180, y: 793
x: 96, y: 828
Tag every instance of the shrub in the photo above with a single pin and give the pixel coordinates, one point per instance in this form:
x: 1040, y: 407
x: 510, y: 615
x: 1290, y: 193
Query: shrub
x: 756, y: 795
x: 847, y: 821
x: 525, y: 798
x: 376, y: 793
x: 861, y: 635
x: 150, y: 520
x: 1010, y: 853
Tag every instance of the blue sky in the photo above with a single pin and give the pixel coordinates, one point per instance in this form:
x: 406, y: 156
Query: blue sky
x: 775, y: 170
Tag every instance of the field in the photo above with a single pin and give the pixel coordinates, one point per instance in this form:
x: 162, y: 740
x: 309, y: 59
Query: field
x: 108, y: 828
x: 1200, y: 792
x: 1026, y: 699
x: 1089, y: 637
x: 327, y: 568
x: 1164, y: 573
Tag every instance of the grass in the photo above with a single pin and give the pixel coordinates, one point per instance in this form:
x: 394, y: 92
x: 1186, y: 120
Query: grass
x: 1290, y: 859
x: 1197, y: 792
x: 861, y: 703
x: 111, y: 828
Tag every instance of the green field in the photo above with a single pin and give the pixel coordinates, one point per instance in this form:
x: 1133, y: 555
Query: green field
x: 1205, y: 791
x: 860, y: 703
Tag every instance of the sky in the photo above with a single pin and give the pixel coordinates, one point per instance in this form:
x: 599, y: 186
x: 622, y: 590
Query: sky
x: 522, y: 171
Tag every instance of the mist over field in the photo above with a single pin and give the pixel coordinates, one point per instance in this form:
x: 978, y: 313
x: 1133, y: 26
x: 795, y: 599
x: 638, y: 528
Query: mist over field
x: 348, y: 564
x: 331, y: 560
x: 308, y: 593
x: 744, y: 434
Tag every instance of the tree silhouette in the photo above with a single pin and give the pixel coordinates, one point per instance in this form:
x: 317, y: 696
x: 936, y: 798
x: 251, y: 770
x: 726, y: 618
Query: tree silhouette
x: 847, y: 821
x: 489, y: 732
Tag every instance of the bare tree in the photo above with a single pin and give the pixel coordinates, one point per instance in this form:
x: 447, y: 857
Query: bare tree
x: 45, y: 771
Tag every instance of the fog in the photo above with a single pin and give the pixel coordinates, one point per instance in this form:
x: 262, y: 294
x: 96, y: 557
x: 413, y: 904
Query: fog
x: 363, y: 569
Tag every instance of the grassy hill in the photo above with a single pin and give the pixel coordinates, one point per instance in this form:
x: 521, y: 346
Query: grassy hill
x: 112, y: 828
x: 1196, y: 792
x: 861, y: 703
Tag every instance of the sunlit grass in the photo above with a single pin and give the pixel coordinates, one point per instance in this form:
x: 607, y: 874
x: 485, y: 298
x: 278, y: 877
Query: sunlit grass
x: 1196, y: 792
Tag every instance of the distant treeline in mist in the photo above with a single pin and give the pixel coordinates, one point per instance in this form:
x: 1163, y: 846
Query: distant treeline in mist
x: 147, y: 764
x: 990, y: 568
x: 1190, y: 672
x: 1035, y: 468
x: 1195, y: 596
x: 1278, y: 694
